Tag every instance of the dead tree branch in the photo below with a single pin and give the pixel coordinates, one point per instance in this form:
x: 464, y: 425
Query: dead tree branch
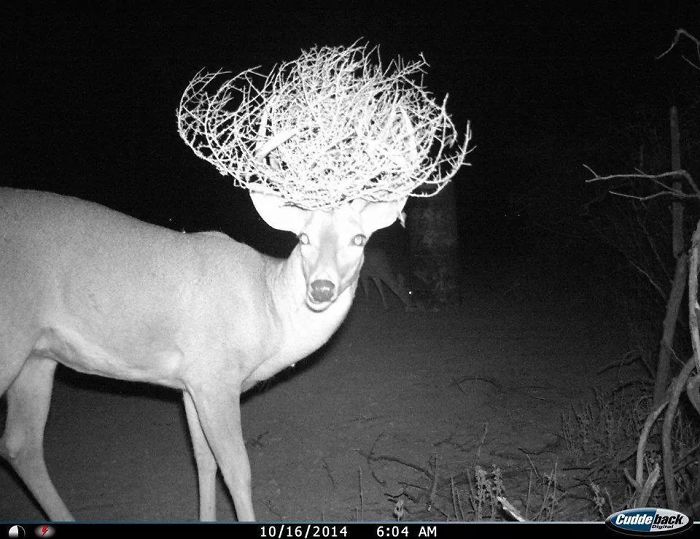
x: 693, y: 307
x: 639, y: 481
x: 693, y: 310
x: 676, y: 389
x: 673, y: 307
x: 680, y: 32
x: 655, y: 179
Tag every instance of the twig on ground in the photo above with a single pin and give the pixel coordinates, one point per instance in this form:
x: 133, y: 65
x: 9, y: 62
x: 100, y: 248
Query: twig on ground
x: 328, y: 473
x: 476, y: 379
x: 532, y: 464
x: 509, y: 510
x: 391, y: 458
x: 369, y: 460
x: 382, y: 482
x: 362, y: 495
x: 629, y: 358
x: 482, y: 440
x: 457, y: 501
x: 529, y: 492
x: 432, y: 493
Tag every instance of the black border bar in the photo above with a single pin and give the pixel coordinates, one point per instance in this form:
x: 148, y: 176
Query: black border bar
x: 320, y: 530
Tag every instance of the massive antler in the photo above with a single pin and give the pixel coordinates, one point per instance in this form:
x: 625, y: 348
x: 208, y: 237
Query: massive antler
x: 327, y: 128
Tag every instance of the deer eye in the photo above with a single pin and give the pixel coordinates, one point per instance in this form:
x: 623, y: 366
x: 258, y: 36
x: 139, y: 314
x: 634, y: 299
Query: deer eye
x: 303, y: 239
x: 359, y: 240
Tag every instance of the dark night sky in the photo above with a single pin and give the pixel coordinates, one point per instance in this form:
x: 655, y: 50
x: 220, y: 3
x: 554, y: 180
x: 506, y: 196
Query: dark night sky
x: 90, y: 94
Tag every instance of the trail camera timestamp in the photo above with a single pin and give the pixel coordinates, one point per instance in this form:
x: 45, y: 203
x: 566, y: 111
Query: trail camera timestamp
x: 303, y: 531
x: 346, y: 531
x: 400, y: 532
x: 392, y: 531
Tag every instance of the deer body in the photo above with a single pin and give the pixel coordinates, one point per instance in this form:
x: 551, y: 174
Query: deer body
x: 106, y: 294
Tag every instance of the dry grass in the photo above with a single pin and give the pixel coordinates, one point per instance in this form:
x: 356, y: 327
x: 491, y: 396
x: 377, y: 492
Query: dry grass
x: 601, y: 439
x: 585, y: 482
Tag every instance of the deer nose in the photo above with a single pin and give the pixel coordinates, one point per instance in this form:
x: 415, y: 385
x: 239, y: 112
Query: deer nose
x: 322, y: 290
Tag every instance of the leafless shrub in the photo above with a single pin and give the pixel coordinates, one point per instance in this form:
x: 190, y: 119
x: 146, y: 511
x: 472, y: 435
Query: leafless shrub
x: 331, y: 126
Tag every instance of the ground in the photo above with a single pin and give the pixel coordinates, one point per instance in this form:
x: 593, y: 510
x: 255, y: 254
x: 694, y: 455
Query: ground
x: 345, y: 434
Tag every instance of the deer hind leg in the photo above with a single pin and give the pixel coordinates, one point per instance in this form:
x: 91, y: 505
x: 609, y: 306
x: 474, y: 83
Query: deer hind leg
x: 219, y: 413
x: 206, y: 464
x: 22, y: 443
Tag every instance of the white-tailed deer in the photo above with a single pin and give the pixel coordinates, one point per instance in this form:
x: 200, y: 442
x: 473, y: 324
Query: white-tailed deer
x: 377, y: 269
x: 106, y: 294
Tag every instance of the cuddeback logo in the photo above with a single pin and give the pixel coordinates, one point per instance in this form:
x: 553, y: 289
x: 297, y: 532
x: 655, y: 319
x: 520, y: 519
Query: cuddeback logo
x: 648, y: 521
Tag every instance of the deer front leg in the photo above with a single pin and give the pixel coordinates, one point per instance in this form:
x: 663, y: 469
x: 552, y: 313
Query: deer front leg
x: 22, y: 444
x: 206, y: 464
x: 219, y: 412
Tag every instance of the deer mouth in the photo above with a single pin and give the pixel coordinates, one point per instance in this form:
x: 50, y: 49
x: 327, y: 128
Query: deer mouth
x: 320, y: 294
x: 318, y: 306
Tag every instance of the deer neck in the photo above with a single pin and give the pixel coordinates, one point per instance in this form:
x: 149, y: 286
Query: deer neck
x: 303, y: 330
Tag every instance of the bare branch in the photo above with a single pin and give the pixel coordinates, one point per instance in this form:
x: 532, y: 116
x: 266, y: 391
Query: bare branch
x: 676, y: 38
x: 654, y: 178
x: 641, y: 445
x: 648, y: 487
x: 691, y: 390
x: 653, y: 283
x: 650, y: 197
x: 693, y: 307
x: 675, y: 390
x: 330, y: 127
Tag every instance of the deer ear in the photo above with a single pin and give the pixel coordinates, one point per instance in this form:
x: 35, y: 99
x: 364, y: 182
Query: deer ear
x: 376, y: 215
x: 276, y: 213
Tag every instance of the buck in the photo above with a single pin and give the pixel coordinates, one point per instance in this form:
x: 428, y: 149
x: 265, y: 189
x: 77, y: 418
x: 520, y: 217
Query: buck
x: 377, y: 270
x: 106, y: 294
x: 329, y: 146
